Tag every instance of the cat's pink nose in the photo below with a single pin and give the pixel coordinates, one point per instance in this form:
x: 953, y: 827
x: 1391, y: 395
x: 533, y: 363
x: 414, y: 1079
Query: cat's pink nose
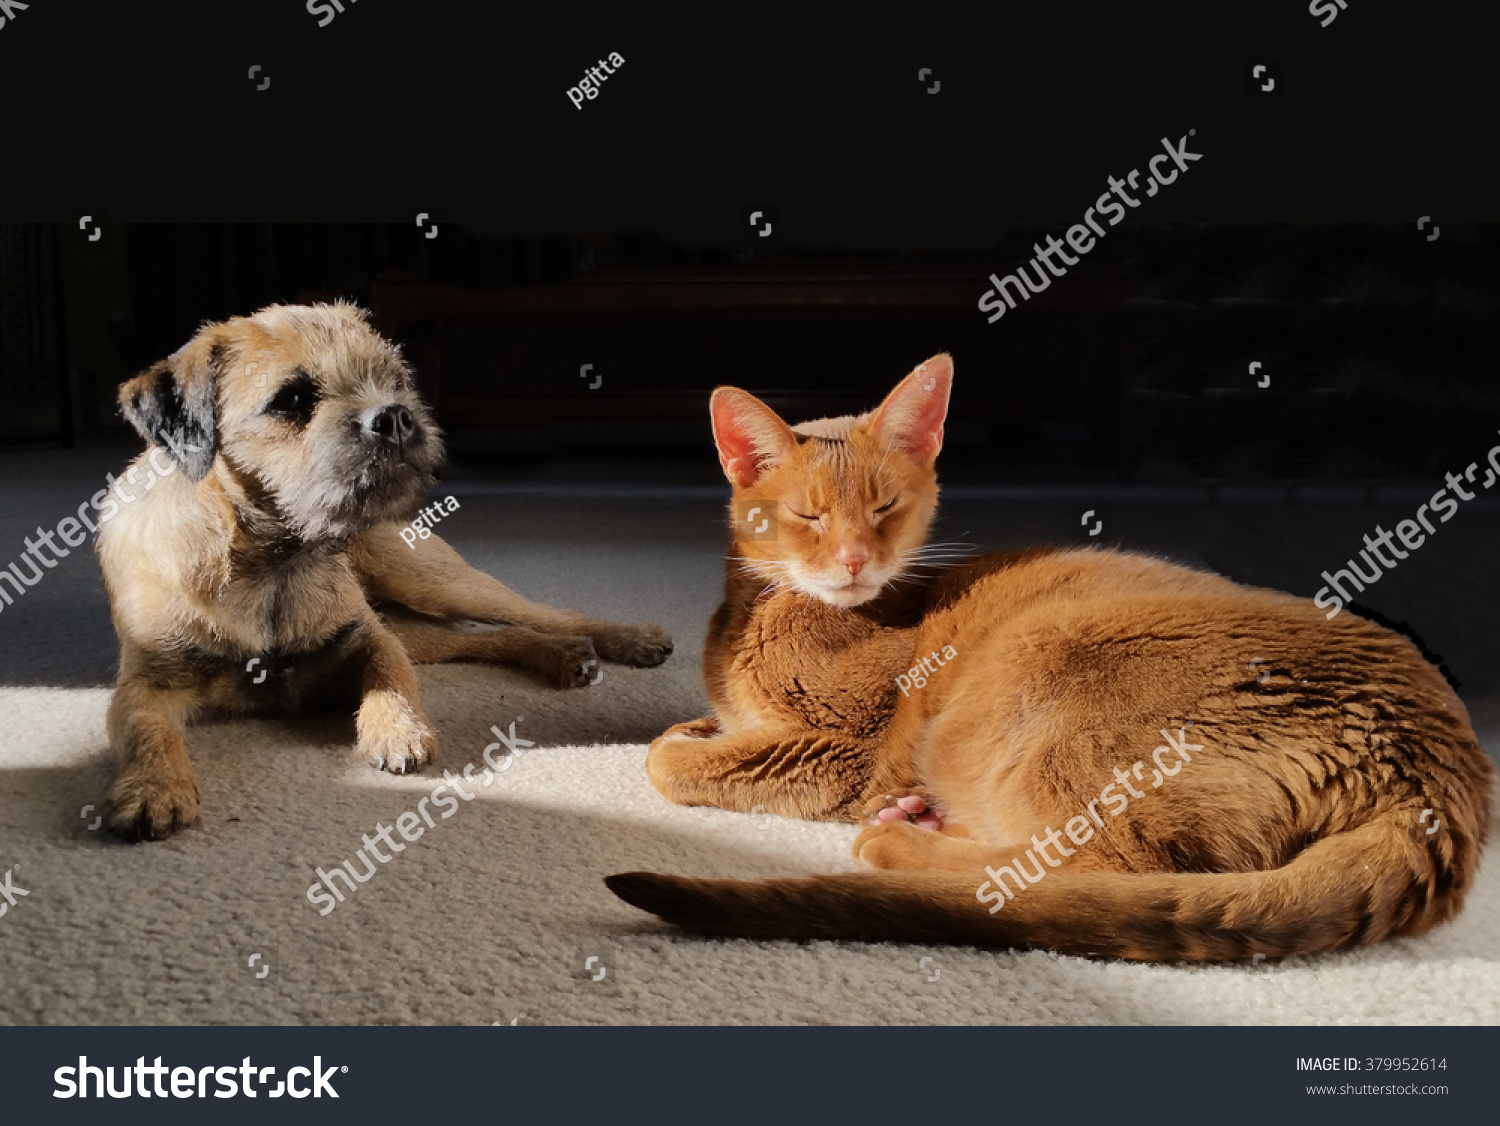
x: 853, y: 558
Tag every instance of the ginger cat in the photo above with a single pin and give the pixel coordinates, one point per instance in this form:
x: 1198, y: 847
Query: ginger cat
x: 1205, y: 770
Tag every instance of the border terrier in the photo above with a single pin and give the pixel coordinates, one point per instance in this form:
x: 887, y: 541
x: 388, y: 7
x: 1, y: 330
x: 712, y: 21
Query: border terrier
x: 266, y: 574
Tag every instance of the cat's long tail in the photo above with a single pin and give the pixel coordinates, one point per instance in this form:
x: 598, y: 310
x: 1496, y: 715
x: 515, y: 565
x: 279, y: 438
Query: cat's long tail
x: 1386, y: 877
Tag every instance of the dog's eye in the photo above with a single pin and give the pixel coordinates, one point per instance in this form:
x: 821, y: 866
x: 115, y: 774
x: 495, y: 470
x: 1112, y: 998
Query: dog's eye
x: 296, y: 401
x: 888, y: 505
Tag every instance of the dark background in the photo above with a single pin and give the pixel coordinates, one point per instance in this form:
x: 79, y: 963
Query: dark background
x: 146, y: 111
x: 614, y: 235
x: 1380, y: 345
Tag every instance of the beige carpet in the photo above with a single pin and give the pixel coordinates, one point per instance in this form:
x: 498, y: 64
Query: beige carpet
x: 493, y: 913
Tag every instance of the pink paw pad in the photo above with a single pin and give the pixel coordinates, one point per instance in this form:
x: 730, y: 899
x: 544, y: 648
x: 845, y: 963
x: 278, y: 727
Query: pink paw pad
x: 913, y: 809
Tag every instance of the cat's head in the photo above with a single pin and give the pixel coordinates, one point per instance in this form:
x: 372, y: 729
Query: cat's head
x: 834, y: 508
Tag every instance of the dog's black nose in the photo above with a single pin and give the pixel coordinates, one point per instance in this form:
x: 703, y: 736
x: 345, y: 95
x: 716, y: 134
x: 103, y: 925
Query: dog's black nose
x: 392, y: 424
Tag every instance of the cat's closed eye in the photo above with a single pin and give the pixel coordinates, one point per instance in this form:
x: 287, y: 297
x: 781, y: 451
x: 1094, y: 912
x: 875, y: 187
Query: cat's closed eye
x: 888, y: 505
x: 803, y: 515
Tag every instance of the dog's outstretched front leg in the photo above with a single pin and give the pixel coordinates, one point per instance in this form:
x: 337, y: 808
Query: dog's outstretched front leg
x: 154, y: 794
x: 433, y: 579
x: 567, y: 662
x: 394, y: 735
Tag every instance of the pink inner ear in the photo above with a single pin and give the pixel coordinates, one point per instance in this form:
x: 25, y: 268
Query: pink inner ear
x: 737, y: 452
x: 925, y: 438
x: 914, y: 414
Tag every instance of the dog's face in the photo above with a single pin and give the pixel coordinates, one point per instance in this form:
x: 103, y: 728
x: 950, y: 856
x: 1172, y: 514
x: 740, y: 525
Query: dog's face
x: 309, y: 414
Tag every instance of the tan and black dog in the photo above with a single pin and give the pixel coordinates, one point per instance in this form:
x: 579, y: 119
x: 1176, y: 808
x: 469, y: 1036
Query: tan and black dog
x: 260, y: 568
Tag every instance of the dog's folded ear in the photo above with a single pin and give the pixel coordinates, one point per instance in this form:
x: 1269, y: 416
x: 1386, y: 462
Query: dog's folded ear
x: 174, y: 404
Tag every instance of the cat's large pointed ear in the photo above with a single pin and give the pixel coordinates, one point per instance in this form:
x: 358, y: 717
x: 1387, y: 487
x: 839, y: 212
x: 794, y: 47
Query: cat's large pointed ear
x: 912, y: 416
x: 751, y: 436
x: 174, y: 404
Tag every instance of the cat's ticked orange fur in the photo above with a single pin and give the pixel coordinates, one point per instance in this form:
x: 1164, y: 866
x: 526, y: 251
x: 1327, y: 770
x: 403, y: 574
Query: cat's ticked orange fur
x: 1323, y: 751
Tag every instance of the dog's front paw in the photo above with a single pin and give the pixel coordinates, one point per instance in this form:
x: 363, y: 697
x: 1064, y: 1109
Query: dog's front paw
x: 393, y: 735
x: 642, y: 647
x: 150, y: 806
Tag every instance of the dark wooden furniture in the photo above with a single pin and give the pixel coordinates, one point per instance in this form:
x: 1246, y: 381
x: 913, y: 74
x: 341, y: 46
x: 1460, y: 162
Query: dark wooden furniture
x: 505, y: 367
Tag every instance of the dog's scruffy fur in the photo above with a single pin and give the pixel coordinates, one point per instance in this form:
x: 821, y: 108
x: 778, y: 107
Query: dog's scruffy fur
x: 297, y: 444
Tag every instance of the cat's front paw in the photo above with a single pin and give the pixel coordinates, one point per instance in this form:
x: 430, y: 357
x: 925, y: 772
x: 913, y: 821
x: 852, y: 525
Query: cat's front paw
x: 642, y: 647
x: 892, y: 844
x: 675, y: 763
x: 705, y: 728
x: 904, y: 805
